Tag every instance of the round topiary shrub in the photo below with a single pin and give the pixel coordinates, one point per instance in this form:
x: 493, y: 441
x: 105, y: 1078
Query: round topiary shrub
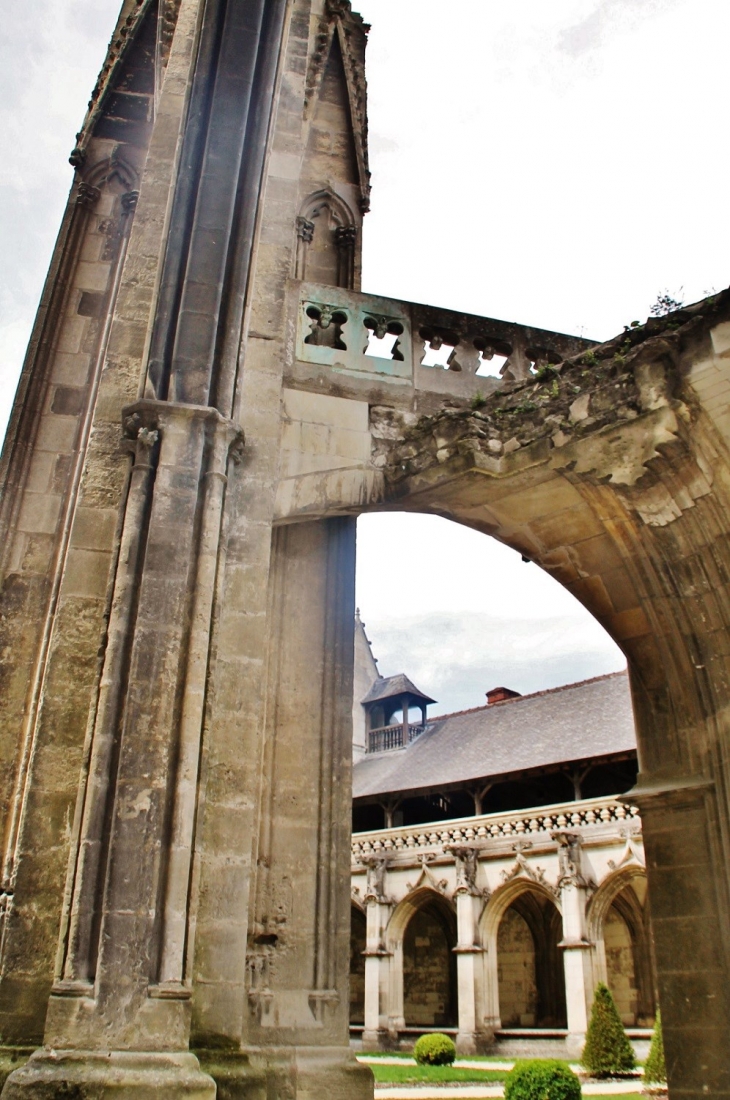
x: 542, y: 1079
x: 434, y: 1050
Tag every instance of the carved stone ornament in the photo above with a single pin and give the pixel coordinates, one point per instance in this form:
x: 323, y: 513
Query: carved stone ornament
x: 522, y: 869
x: 631, y: 854
x: 129, y: 201
x: 427, y: 878
x: 345, y: 236
x: 87, y: 195
x: 570, y: 859
x: 305, y: 229
x: 375, y: 881
x: 135, y: 429
x: 466, y: 862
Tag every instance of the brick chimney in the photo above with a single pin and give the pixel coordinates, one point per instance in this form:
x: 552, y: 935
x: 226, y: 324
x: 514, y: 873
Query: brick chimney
x: 498, y: 695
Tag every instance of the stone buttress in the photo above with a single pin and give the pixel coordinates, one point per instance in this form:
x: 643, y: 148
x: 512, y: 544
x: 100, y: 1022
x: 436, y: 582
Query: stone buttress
x: 158, y: 809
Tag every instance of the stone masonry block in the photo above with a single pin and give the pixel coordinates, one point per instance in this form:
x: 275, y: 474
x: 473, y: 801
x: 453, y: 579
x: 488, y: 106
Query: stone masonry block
x: 316, y: 408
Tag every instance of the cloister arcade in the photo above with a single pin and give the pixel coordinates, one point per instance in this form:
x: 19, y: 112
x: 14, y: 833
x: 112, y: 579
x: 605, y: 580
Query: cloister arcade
x: 511, y: 933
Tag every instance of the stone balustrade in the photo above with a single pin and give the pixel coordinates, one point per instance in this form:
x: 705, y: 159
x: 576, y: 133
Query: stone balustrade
x: 475, y: 830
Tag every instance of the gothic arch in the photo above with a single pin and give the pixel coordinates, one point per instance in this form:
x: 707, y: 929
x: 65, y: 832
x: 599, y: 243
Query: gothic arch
x: 539, y: 908
x: 617, y: 896
x: 328, y: 240
x: 501, y: 900
x: 606, y: 894
x: 409, y: 906
x: 114, y: 171
x: 440, y: 984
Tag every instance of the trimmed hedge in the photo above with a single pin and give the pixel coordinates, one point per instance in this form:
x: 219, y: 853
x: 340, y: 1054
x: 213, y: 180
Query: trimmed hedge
x: 607, y: 1050
x: 542, y: 1079
x: 434, y: 1050
x: 655, y: 1070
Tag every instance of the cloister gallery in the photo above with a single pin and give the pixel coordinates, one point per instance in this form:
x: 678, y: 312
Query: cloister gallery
x: 497, y: 876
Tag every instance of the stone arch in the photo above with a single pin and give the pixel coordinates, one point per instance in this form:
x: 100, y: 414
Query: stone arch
x: 422, y: 935
x: 518, y: 909
x: 618, y: 924
x: 115, y: 172
x: 632, y: 518
x: 327, y: 240
x: 358, y: 944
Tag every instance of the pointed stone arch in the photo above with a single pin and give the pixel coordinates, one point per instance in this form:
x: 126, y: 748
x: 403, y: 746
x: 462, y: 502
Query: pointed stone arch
x: 328, y: 239
x: 503, y: 898
x: 617, y: 895
x: 431, y: 903
x: 114, y: 171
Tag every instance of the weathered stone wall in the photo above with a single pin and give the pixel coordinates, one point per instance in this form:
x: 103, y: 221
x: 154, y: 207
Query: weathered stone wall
x: 429, y: 971
x: 620, y: 966
x: 516, y: 965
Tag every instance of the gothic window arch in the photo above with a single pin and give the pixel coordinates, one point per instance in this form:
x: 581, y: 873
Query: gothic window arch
x: 327, y: 240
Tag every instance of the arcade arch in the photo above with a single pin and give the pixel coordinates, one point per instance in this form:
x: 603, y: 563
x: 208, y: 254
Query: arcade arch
x: 421, y: 937
x: 529, y: 963
x: 618, y: 924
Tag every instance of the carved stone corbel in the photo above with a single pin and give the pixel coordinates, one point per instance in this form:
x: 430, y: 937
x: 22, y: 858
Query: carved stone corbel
x: 570, y: 860
x: 466, y: 862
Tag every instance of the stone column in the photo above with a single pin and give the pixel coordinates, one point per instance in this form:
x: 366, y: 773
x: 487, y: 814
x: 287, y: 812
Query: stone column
x: 468, y: 904
x: 122, y: 987
x: 296, y: 1007
x: 688, y: 920
x: 376, y: 1034
x: 577, y: 950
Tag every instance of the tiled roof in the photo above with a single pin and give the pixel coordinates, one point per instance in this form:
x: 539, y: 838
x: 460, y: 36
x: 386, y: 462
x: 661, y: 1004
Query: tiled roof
x: 385, y: 687
x: 576, y: 722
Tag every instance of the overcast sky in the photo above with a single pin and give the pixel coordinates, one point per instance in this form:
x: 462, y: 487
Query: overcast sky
x: 557, y: 163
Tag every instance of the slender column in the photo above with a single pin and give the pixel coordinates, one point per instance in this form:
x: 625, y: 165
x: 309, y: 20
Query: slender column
x: 577, y: 949
x: 468, y: 952
x: 377, y: 957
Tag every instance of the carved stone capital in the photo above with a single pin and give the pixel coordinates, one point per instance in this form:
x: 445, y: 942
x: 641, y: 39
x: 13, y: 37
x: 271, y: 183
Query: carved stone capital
x: 87, y: 195
x: 305, y: 229
x: 345, y: 236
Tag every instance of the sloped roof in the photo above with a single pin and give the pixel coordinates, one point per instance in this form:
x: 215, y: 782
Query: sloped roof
x: 575, y: 722
x: 385, y: 687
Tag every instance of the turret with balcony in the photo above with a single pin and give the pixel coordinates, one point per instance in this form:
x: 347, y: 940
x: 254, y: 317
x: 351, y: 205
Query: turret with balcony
x: 389, y: 697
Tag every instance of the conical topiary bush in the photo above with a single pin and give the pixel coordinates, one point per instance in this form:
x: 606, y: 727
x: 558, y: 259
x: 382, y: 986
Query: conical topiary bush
x: 607, y: 1050
x: 655, y: 1070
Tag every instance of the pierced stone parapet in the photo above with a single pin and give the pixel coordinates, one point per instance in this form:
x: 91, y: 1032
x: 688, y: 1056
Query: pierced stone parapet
x: 423, y: 345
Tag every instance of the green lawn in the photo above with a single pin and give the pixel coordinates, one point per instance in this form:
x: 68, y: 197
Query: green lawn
x: 406, y: 1075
